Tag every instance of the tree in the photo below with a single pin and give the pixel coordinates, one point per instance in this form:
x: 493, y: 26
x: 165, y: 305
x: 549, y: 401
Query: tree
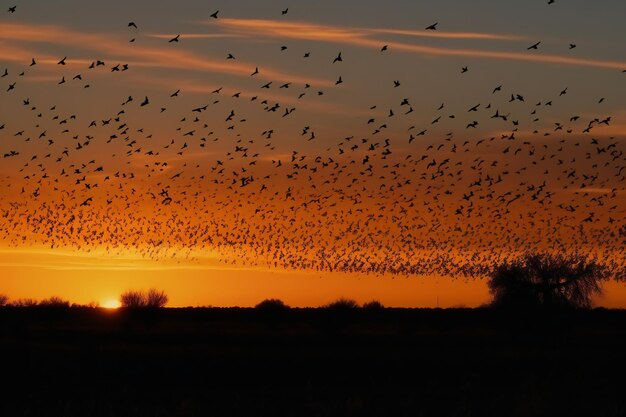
x: 152, y: 298
x: 156, y: 298
x: 54, y: 302
x: 342, y: 304
x: 272, y: 304
x: 24, y: 302
x: 373, y: 305
x: 547, y: 280
x: 132, y: 299
x: 4, y: 300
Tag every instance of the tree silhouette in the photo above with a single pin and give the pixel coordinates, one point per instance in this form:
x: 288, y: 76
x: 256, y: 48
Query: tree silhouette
x: 4, y: 300
x: 156, y: 298
x: 373, y: 305
x: 152, y: 298
x: 272, y: 304
x: 24, y: 302
x: 54, y: 302
x: 342, y: 304
x: 547, y: 280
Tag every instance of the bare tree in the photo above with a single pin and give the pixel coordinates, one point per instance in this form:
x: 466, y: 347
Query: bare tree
x: 152, y: 298
x: 132, y: 299
x: 156, y: 298
x: 24, y: 302
x: 54, y: 302
x: 547, y: 280
x: 342, y: 304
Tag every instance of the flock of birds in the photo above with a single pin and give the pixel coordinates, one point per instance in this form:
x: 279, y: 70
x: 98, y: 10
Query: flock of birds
x: 417, y: 203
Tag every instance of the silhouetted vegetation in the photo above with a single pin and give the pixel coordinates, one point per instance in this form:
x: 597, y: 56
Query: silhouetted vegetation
x: 373, y: 305
x: 272, y: 304
x: 150, y: 299
x: 54, y: 302
x: 342, y: 304
x: 547, y: 281
x: 24, y: 302
x: 4, y: 300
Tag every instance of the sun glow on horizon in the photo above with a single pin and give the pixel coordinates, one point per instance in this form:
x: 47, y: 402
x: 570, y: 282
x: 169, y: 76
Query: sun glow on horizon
x: 111, y: 304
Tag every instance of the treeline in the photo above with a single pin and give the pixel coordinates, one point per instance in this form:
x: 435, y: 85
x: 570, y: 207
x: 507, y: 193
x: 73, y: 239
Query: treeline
x: 532, y: 281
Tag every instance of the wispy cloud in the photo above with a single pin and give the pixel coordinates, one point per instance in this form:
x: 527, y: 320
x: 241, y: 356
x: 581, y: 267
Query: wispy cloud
x: 363, y: 38
x: 117, y: 48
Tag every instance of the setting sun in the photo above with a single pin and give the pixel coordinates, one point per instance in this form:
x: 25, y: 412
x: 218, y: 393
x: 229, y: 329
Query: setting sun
x: 111, y: 304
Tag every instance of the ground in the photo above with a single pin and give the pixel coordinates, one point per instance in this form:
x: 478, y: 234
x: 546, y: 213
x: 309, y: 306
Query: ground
x: 311, y: 362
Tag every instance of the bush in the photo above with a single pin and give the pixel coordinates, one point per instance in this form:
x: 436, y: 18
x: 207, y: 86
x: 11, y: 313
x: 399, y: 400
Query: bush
x: 4, y: 300
x: 272, y: 304
x: 373, y: 305
x: 152, y: 298
x: 54, y: 302
x: 24, y: 302
x: 342, y: 304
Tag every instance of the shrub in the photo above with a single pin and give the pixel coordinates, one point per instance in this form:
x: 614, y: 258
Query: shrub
x: 342, y: 304
x: 54, y: 302
x: 373, y: 305
x: 272, y: 304
x: 152, y: 298
x: 156, y: 298
x: 24, y: 302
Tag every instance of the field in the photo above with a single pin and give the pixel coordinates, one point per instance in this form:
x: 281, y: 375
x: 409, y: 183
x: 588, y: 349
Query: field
x: 311, y: 362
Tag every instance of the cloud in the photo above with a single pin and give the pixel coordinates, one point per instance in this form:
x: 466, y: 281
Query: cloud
x: 117, y: 48
x: 363, y: 38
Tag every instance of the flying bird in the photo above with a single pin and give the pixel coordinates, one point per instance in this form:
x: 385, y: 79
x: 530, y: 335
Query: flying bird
x: 534, y: 46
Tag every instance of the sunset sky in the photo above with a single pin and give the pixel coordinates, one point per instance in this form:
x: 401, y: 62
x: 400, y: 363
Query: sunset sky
x: 306, y: 150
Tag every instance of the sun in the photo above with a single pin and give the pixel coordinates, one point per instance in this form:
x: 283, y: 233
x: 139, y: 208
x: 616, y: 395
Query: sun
x: 111, y: 304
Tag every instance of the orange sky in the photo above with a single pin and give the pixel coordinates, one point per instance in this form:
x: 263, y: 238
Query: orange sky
x: 247, y: 160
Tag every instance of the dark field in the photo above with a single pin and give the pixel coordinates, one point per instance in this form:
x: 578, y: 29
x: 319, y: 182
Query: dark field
x: 244, y: 362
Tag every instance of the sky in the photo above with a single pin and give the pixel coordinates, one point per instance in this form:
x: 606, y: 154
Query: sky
x: 306, y: 151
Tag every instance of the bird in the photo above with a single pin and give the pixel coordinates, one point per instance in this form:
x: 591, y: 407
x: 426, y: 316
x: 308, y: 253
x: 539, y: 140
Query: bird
x: 255, y: 72
x: 432, y: 27
x: 464, y: 70
x: 12, y: 9
x: 338, y: 58
x: 62, y: 62
x: 145, y: 102
x: 284, y: 12
x: 132, y: 24
x: 534, y: 46
x: 384, y: 48
x: 214, y: 15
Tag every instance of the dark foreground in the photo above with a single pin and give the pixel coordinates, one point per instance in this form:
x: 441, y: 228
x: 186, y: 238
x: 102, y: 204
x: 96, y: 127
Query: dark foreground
x: 242, y: 362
